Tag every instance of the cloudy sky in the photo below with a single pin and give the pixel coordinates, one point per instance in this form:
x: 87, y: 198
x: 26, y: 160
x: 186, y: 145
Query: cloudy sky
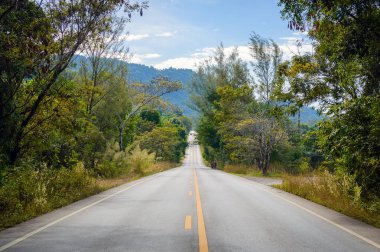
x: 181, y: 33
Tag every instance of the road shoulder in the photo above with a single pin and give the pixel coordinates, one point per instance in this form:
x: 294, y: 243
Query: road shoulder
x: 348, y: 224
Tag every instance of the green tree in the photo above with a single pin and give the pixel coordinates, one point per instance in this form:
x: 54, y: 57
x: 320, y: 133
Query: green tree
x: 44, y: 36
x: 344, y: 81
x: 294, y: 81
x: 168, y: 142
x: 345, y: 32
x: 267, y: 57
x: 111, y: 111
x: 221, y: 71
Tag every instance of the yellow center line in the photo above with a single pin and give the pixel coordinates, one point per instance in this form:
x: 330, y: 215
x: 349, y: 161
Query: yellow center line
x: 202, y: 237
x: 188, y: 222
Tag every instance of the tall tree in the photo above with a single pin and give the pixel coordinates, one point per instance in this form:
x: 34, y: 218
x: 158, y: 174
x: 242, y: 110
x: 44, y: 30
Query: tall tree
x: 266, y: 59
x: 142, y: 95
x: 262, y: 134
x: 44, y: 35
x: 220, y: 71
x: 345, y: 81
x: 345, y: 32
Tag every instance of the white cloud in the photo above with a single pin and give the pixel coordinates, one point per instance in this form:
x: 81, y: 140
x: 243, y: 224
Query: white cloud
x: 165, y: 34
x: 134, y: 37
x: 290, y: 50
x: 298, y: 44
x: 182, y: 62
x: 150, y: 56
x: 191, y: 61
x: 290, y: 39
x: 288, y: 46
x: 139, y: 58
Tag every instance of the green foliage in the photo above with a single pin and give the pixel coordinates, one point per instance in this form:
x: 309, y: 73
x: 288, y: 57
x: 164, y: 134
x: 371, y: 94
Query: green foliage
x: 27, y: 192
x: 141, y: 160
x: 113, y: 163
x: 151, y: 116
x: 267, y: 56
x: 210, y: 90
x: 168, y: 142
x: 62, y: 127
x: 347, y: 33
x: 38, y: 41
x: 343, y: 77
x: 351, y: 142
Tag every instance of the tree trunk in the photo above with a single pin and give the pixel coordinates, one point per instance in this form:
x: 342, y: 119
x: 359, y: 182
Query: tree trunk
x: 121, y: 129
x: 13, y: 155
x: 265, y: 171
x: 299, y: 121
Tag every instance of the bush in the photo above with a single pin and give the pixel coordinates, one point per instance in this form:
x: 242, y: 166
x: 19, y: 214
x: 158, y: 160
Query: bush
x: 114, y: 162
x: 140, y: 160
x: 168, y: 142
x: 29, y: 191
x: 238, y: 169
x: 336, y: 191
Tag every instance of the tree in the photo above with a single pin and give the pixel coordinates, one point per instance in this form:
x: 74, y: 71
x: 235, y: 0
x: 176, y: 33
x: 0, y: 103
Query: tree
x: 110, y: 112
x: 62, y: 28
x: 147, y: 120
x: 263, y: 134
x: 267, y: 57
x: 105, y: 56
x: 167, y: 142
x: 143, y: 94
x: 344, y: 81
x: 219, y: 72
x: 345, y: 32
x: 294, y: 81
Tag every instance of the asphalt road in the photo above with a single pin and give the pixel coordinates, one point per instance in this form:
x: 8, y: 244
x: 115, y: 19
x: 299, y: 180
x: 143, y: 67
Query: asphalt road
x: 192, y: 208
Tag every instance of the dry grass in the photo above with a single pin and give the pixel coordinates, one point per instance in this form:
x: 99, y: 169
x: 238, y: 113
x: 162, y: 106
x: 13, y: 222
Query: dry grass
x: 105, y: 184
x: 29, y: 194
x: 159, y: 167
x: 340, y: 194
x: 252, y: 171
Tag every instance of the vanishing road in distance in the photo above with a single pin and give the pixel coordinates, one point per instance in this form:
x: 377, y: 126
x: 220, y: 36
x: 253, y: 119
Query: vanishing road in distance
x: 192, y: 208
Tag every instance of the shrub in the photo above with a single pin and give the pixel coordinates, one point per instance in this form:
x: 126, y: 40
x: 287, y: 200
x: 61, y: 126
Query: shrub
x: 238, y: 169
x: 29, y: 191
x: 337, y: 191
x: 114, y: 162
x: 140, y: 160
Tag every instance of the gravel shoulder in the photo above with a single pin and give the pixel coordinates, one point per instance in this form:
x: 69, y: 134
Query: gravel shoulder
x: 265, y: 181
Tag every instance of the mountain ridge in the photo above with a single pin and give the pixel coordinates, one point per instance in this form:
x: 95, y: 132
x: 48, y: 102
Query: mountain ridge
x: 144, y: 74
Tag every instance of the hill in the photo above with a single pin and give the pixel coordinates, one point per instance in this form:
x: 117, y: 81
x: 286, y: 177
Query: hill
x: 144, y: 74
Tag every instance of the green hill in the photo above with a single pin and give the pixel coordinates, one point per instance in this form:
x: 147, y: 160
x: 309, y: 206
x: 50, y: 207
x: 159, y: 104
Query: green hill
x: 144, y: 74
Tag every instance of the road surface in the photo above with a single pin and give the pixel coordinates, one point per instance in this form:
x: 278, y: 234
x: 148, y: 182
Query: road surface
x: 192, y: 208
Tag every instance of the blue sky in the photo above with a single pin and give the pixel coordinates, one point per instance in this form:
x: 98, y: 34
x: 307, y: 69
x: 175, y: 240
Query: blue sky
x: 181, y: 33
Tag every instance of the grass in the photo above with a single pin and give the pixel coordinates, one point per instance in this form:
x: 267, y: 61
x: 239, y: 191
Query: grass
x: 338, y: 193
x: 28, y: 193
x: 251, y: 171
x: 335, y: 193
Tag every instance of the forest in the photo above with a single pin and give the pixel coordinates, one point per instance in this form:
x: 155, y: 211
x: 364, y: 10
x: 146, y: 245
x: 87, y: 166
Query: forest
x: 70, y: 128
x: 245, y: 107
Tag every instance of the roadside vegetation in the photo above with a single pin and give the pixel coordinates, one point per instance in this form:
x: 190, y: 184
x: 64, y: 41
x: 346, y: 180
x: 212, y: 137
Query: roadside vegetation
x: 245, y: 107
x: 68, y: 128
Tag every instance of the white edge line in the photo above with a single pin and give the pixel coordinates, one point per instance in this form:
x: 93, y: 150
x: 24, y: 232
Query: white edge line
x: 314, y: 213
x: 18, y: 240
